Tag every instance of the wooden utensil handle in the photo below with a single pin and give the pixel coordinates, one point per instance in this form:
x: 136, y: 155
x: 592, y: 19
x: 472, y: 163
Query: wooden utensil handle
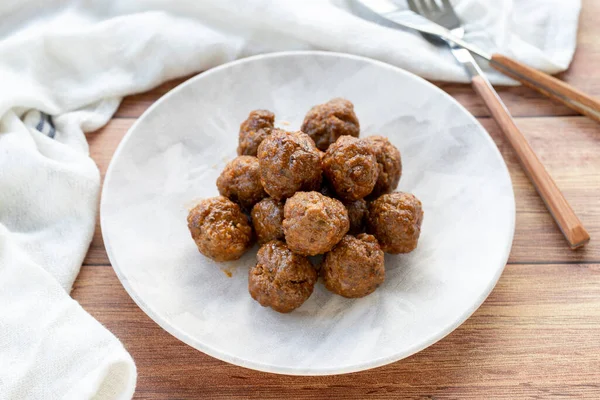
x: 558, y: 206
x: 548, y: 86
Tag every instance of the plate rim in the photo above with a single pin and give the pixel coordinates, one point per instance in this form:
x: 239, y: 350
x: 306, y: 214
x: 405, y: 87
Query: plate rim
x: 350, y: 368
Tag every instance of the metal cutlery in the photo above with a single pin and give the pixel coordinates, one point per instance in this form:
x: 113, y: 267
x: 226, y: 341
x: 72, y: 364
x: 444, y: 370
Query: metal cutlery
x: 443, y: 15
x: 540, y: 81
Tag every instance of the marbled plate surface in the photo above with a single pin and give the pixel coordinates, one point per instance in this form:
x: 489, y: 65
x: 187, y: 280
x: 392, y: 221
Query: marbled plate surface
x: 174, y: 153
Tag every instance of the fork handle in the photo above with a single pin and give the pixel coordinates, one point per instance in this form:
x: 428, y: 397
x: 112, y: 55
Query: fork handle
x: 556, y: 203
x: 548, y: 86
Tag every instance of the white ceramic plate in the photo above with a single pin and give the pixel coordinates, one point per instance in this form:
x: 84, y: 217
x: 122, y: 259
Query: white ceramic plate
x: 174, y: 153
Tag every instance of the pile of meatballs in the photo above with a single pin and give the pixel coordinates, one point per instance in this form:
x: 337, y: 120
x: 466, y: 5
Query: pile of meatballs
x: 320, y: 190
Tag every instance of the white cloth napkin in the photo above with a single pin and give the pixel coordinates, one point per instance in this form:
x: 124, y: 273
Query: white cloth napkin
x: 64, y: 68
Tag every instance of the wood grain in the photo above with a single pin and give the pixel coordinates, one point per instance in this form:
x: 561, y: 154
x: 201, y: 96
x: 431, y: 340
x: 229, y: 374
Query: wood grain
x: 567, y: 146
x: 549, y: 86
x: 583, y: 72
x: 560, y: 209
x: 534, y: 337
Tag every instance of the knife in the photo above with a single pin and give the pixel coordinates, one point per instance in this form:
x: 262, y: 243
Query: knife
x: 530, y: 77
x: 556, y: 203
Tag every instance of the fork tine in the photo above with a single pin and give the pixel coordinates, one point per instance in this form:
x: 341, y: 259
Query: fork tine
x: 413, y: 6
x: 447, y: 6
x: 424, y: 5
x: 434, y: 5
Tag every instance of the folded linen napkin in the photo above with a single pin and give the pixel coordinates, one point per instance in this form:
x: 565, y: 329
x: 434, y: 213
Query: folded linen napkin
x: 64, y: 67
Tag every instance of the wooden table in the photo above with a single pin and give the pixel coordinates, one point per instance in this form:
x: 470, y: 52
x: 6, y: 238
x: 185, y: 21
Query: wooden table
x: 536, y: 336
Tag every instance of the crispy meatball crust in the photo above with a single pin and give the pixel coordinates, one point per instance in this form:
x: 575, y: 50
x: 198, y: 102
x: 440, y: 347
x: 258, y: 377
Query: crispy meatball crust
x: 281, y: 279
x: 389, y: 163
x: 254, y: 130
x: 357, y: 213
x: 351, y: 167
x: 220, y: 229
x: 314, y: 223
x: 267, y: 216
x: 289, y: 162
x: 240, y: 182
x: 354, y: 267
x: 395, y: 220
x: 325, y: 123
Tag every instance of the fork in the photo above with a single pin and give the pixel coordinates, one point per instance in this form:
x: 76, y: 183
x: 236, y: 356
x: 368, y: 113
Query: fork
x: 545, y: 84
x: 444, y: 15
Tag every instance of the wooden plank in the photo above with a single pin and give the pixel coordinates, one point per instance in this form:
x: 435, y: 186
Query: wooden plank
x: 536, y: 336
x: 521, y: 101
x: 567, y: 146
x: 583, y: 72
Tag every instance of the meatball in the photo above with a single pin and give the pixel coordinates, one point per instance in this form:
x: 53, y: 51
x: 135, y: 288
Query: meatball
x: 254, y: 130
x: 267, y: 216
x: 240, y: 182
x: 354, y: 268
x: 281, y: 279
x: 325, y: 123
x: 220, y: 229
x: 395, y: 220
x: 389, y: 163
x: 314, y: 223
x: 351, y: 167
x: 357, y: 213
x: 289, y: 162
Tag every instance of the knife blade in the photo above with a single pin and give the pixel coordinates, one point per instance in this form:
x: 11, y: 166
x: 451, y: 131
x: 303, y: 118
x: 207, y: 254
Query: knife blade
x: 537, y: 80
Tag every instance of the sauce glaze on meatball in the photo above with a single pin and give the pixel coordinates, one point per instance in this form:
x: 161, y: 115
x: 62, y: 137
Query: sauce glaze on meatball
x: 254, y: 130
x: 389, y: 163
x: 267, y: 218
x: 220, y: 229
x: 281, y: 279
x: 395, y: 220
x: 355, y: 266
x: 325, y: 123
x: 289, y: 162
x: 240, y: 182
x: 314, y: 223
x: 357, y: 213
x: 351, y: 167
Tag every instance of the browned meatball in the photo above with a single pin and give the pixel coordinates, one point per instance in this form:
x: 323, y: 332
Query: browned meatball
x: 354, y: 268
x: 389, y: 163
x: 267, y: 216
x: 281, y: 279
x: 289, y: 162
x: 351, y: 167
x: 395, y: 220
x: 240, y: 182
x: 314, y: 223
x: 357, y: 213
x: 325, y: 123
x: 220, y: 229
x: 254, y: 130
